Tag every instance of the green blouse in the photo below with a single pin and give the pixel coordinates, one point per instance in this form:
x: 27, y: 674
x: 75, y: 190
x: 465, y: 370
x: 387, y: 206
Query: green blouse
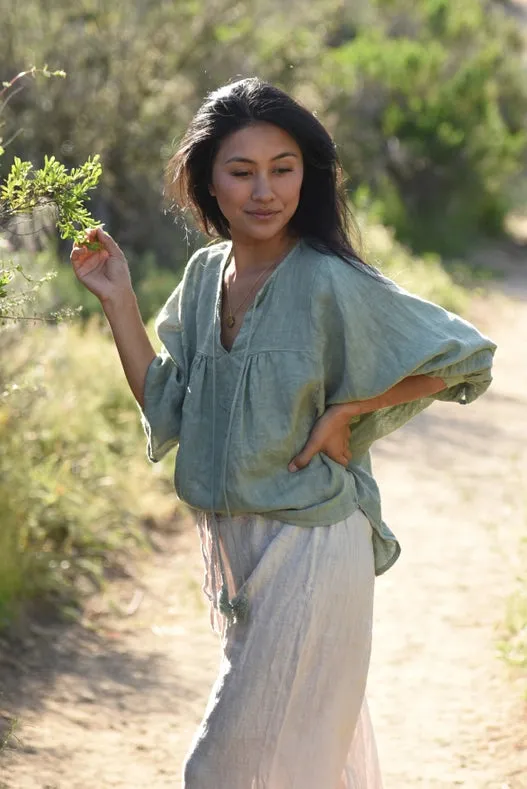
x: 319, y: 332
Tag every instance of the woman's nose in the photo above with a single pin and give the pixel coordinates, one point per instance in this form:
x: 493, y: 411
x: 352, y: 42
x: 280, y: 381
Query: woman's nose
x: 262, y: 189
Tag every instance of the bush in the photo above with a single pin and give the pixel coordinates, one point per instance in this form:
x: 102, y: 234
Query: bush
x: 428, y: 101
x: 425, y: 276
x: 75, y: 483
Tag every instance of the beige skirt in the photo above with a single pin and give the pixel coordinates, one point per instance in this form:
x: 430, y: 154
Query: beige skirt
x: 288, y: 709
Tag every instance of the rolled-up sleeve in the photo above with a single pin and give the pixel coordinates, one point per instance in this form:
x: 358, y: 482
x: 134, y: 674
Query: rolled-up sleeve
x: 165, y: 382
x: 374, y: 334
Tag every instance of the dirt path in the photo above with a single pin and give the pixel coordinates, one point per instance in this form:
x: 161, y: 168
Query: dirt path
x: 116, y: 706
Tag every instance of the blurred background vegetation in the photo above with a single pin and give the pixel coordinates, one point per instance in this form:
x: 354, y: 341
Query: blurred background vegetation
x: 427, y: 100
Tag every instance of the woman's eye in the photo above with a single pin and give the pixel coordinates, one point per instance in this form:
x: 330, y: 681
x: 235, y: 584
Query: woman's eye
x: 277, y: 170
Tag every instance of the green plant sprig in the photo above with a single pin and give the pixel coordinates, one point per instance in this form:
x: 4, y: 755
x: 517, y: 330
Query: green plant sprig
x: 27, y: 189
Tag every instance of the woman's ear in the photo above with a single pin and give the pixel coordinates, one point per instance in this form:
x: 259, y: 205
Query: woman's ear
x: 212, y: 191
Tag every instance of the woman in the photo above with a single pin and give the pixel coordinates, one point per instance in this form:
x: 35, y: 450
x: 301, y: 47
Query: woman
x: 284, y: 357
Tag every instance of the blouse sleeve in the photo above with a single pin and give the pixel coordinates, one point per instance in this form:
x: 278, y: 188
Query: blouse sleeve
x: 165, y: 382
x: 373, y: 334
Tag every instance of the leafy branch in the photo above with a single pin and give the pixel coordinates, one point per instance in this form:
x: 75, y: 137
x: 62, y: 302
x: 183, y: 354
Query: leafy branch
x: 26, y: 189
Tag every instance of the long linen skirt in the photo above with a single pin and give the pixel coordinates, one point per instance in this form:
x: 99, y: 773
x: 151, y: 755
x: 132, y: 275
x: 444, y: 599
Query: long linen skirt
x: 288, y: 709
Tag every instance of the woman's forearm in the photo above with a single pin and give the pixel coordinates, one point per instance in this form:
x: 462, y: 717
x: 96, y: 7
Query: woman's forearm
x: 412, y: 388
x: 134, y: 347
x: 331, y: 431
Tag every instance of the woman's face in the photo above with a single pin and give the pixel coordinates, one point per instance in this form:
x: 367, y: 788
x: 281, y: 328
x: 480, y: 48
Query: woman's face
x: 256, y: 179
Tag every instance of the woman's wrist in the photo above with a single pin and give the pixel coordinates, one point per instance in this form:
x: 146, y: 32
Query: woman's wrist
x: 343, y: 413
x: 407, y: 390
x: 115, y: 303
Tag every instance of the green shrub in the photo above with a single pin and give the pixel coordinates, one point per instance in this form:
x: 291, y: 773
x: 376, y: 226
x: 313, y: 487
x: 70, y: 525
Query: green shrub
x: 425, y: 275
x: 428, y: 100
x: 75, y: 483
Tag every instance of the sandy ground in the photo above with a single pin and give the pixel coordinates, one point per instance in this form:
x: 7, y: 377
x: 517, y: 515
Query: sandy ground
x: 115, y: 703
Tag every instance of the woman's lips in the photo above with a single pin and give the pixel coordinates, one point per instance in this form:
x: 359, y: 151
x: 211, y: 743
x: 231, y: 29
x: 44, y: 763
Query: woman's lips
x: 262, y: 214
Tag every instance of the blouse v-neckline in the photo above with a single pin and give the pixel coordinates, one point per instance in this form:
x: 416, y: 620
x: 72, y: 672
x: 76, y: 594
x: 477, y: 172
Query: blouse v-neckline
x: 237, y: 344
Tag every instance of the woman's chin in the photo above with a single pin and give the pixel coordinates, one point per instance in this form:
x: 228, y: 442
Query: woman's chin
x: 262, y: 232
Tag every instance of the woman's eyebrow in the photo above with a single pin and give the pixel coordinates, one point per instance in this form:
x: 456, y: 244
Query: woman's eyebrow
x: 251, y: 161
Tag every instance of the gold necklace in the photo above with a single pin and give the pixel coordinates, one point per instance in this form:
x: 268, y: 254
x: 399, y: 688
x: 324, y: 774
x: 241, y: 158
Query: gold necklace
x: 231, y: 320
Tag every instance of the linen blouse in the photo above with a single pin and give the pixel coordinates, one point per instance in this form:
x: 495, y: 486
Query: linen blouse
x: 319, y: 332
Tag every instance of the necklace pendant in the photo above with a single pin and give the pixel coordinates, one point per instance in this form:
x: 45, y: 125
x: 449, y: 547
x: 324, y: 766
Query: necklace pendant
x: 231, y: 320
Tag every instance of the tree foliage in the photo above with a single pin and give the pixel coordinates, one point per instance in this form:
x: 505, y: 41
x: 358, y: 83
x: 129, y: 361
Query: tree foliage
x: 433, y: 122
x: 27, y: 191
x: 426, y: 99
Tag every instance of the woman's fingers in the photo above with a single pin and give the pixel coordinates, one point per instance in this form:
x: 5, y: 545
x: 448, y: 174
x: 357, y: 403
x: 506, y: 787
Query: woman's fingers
x: 95, y: 239
x: 334, y: 442
x: 85, y: 261
x: 98, y: 234
x: 98, y: 247
x: 346, y: 457
x: 304, y: 457
x: 100, y: 264
x: 78, y: 253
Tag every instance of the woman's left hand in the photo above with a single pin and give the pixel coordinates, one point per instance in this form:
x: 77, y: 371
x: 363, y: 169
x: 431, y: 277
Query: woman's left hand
x: 330, y: 434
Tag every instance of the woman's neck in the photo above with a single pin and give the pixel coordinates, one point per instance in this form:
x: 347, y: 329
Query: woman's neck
x: 251, y: 256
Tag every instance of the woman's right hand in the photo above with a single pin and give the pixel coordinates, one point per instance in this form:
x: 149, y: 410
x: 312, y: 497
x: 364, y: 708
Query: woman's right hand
x: 103, y: 271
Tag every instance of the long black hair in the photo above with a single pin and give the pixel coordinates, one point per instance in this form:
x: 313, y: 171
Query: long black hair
x: 322, y: 218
